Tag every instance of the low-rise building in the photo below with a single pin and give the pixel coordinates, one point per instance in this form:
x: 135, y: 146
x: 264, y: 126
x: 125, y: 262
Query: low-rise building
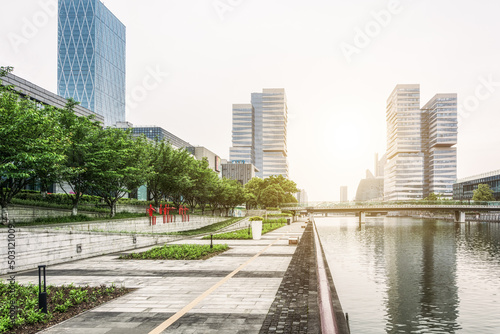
x: 154, y: 132
x: 43, y: 96
x: 200, y: 152
x: 464, y: 188
x: 239, y: 171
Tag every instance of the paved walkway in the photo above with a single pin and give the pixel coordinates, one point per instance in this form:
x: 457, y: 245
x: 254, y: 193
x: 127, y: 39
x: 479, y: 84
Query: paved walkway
x: 240, y: 291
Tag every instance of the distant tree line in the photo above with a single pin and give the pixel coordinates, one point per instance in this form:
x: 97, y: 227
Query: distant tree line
x: 54, y: 146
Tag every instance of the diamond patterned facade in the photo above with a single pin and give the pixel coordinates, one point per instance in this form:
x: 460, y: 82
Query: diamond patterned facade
x: 91, y: 58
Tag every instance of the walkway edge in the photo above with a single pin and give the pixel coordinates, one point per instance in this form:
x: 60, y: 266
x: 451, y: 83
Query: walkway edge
x: 333, y: 319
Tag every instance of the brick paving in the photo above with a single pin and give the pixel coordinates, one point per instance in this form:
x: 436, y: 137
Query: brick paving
x: 241, y: 304
x: 295, y: 308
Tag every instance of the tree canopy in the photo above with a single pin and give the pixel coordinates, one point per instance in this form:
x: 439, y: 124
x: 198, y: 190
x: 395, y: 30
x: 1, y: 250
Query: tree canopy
x: 55, y: 146
x: 270, y: 192
x: 32, y: 143
x: 483, y: 193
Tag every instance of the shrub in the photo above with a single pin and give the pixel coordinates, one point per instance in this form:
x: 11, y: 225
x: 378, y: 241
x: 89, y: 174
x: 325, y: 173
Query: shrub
x: 256, y: 218
x: 178, y: 252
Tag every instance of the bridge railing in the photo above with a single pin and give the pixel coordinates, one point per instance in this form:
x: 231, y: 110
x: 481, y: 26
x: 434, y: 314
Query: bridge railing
x: 389, y: 203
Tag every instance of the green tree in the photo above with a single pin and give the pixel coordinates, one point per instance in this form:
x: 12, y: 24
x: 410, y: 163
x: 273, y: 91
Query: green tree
x: 483, y: 193
x: 279, y: 190
x: 74, y: 177
x: 253, y: 189
x: 177, y: 178
x: 161, y: 155
x: 30, y: 139
x: 118, y: 166
x: 232, y: 194
x: 432, y: 197
x: 272, y: 196
x: 202, y: 176
x: 216, y: 195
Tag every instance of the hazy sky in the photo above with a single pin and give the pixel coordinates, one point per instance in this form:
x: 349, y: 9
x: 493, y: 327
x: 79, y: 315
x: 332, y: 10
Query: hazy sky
x: 337, y: 60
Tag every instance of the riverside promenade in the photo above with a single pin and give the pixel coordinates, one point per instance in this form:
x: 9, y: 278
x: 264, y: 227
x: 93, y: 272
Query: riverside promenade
x: 257, y: 286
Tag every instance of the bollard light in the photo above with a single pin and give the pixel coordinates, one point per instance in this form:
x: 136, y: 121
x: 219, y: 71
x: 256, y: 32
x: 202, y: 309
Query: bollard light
x: 42, y: 295
x: 211, y: 241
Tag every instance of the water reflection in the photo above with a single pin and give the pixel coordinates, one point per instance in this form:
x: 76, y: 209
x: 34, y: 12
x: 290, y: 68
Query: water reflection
x: 403, y: 275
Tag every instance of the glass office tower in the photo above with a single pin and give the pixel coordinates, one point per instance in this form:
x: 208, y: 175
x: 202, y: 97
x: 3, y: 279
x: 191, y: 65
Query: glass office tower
x: 91, y: 58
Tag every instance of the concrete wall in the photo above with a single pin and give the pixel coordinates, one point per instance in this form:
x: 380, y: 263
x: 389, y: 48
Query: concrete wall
x: 23, y: 213
x: 61, y: 243
x: 138, y: 225
x: 33, y: 248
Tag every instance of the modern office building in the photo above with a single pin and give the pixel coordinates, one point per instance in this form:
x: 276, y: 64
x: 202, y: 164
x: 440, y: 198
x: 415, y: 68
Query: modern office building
x: 239, y: 171
x: 420, y: 155
x: 200, y: 152
x: 154, y: 132
x: 404, y: 171
x: 43, y: 96
x: 260, y: 132
x: 463, y: 189
x: 301, y: 196
x: 379, y: 165
x: 91, y: 58
x: 343, y: 194
x: 243, y: 134
x: 438, y: 142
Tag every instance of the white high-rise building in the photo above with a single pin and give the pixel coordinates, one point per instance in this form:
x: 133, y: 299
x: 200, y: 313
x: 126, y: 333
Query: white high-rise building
x: 440, y: 115
x: 265, y: 122
x: 420, y: 157
x: 343, y: 194
x: 243, y: 133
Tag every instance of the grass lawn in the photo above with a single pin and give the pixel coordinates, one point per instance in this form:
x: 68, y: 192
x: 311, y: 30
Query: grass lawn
x: 207, y: 229
x: 178, y: 252
x: 246, y: 233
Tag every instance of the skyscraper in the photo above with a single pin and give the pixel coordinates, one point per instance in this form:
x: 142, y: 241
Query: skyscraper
x: 243, y: 130
x: 440, y: 115
x: 260, y: 133
x: 91, y: 58
x: 420, y: 156
x: 343, y: 194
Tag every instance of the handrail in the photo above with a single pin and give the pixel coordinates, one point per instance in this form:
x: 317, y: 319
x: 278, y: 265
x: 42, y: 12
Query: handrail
x: 333, y: 320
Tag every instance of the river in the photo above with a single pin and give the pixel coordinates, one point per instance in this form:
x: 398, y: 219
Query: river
x: 406, y: 275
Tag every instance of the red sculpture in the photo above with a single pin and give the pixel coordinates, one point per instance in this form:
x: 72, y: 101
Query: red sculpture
x: 150, y: 211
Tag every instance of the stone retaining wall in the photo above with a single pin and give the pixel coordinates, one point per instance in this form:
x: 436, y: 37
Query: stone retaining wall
x: 60, y: 243
x: 24, y: 213
x: 33, y: 248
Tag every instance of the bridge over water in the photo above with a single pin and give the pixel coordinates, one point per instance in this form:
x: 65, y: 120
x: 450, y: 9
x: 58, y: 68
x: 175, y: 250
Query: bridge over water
x: 361, y: 208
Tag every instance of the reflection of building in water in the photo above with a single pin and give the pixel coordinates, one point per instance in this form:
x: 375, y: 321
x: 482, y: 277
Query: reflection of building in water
x: 421, y: 279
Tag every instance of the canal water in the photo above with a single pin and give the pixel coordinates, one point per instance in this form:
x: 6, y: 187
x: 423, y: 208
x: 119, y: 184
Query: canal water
x: 406, y: 275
